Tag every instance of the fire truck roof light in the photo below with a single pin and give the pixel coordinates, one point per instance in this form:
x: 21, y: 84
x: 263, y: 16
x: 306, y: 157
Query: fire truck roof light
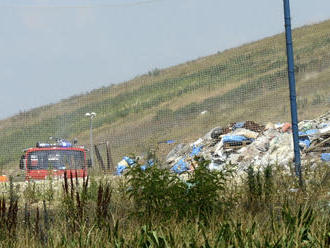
x: 65, y: 144
x: 41, y: 145
x: 61, y: 143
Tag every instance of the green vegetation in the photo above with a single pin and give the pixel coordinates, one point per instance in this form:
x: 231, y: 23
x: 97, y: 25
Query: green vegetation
x: 248, y: 82
x: 154, y: 208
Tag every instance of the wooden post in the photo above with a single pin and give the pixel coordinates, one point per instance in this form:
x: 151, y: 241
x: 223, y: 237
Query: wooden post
x: 99, y: 157
x: 109, y: 157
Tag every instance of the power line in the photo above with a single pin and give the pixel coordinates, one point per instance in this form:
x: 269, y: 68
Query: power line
x: 87, y: 6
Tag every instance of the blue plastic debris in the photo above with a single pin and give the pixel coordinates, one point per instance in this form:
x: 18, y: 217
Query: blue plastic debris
x: 149, y: 163
x: 305, y: 141
x: 167, y: 142
x: 180, y: 166
x: 120, y: 169
x: 238, y: 125
x: 325, y: 157
x: 132, y: 162
x: 234, y: 138
x: 309, y: 132
x: 312, y: 131
x: 170, y: 141
x: 195, y: 151
x: 129, y: 160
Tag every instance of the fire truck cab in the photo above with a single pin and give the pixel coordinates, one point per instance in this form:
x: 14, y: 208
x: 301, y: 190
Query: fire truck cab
x: 52, y: 160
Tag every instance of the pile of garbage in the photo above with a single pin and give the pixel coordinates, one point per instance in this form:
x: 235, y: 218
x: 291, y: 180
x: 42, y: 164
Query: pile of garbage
x: 249, y: 143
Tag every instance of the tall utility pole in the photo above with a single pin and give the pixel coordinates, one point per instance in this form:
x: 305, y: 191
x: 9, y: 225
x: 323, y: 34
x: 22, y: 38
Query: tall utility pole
x: 91, y: 115
x: 292, y: 86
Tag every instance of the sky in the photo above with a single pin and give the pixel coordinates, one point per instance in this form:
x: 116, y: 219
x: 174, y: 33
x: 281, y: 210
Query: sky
x: 53, y: 49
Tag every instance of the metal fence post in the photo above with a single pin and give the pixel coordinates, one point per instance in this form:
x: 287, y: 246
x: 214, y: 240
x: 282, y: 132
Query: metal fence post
x: 292, y: 86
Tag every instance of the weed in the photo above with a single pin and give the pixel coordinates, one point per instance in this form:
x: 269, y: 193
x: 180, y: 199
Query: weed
x: 158, y: 192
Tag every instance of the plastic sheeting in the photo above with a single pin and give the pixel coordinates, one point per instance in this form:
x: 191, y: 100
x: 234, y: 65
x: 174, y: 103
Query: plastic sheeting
x: 234, y: 138
x: 180, y: 167
x: 325, y: 157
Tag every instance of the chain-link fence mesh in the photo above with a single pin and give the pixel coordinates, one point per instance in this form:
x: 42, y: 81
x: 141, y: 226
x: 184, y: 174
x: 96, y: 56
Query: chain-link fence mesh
x: 179, y: 104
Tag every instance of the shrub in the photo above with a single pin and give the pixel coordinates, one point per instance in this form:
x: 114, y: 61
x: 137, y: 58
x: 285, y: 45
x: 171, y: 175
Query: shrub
x: 150, y: 190
x: 158, y: 192
x: 204, y: 189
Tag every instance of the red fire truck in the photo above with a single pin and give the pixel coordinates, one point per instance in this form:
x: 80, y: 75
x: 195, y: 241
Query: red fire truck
x: 52, y: 160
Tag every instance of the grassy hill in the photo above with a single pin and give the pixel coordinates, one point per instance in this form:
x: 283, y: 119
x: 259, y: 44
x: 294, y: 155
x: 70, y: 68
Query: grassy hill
x: 244, y: 83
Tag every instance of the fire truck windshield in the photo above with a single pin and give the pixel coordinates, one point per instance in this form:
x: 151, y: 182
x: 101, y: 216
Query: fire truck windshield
x: 55, y: 159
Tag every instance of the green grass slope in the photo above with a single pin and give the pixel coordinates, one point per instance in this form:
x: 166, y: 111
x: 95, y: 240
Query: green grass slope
x: 244, y: 83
